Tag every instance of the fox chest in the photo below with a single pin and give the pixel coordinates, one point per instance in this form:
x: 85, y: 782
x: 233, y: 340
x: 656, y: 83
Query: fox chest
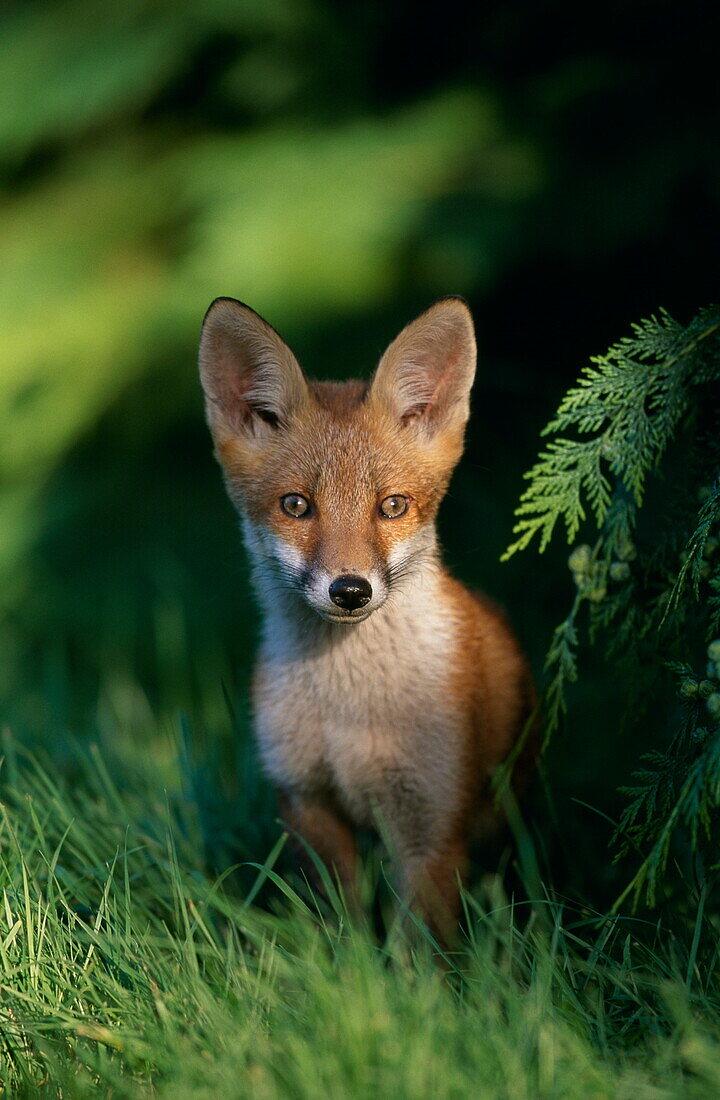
x: 352, y: 718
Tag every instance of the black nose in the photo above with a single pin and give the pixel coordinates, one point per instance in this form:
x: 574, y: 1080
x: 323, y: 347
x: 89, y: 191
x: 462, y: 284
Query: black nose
x: 350, y: 592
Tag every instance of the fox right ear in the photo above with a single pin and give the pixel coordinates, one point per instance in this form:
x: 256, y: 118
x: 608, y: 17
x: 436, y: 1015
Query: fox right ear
x: 424, y: 377
x: 251, y: 380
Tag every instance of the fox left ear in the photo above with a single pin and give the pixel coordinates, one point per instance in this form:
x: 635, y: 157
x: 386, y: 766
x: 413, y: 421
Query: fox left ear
x: 252, y: 381
x: 424, y: 377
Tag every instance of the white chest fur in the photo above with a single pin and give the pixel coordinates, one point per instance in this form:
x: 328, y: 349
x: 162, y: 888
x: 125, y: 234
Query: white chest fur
x: 353, y: 707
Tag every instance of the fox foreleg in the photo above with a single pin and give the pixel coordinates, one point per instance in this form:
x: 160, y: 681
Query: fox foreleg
x: 330, y: 837
x: 430, y: 855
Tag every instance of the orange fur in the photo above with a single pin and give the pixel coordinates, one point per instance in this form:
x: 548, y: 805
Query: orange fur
x: 397, y: 711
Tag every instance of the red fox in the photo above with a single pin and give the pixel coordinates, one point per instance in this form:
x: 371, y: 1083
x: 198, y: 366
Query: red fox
x: 384, y: 689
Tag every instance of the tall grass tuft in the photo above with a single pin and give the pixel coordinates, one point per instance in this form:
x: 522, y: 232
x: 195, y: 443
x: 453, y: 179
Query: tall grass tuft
x: 126, y: 970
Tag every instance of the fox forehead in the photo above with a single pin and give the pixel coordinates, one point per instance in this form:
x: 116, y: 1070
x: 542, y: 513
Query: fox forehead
x: 339, y: 452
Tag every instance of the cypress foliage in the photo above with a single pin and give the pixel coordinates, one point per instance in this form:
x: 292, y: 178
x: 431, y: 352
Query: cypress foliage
x: 634, y: 458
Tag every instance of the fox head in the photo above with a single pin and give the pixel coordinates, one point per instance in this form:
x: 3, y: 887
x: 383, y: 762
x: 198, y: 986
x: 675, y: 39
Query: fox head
x: 338, y: 483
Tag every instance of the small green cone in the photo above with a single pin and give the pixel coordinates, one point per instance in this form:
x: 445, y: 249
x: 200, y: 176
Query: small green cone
x: 688, y: 688
x: 713, y: 706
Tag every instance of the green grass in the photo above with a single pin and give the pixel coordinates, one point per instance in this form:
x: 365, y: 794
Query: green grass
x: 127, y: 970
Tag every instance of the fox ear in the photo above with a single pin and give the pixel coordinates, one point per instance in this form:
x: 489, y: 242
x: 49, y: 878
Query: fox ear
x: 251, y: 379
x: 424, y: 377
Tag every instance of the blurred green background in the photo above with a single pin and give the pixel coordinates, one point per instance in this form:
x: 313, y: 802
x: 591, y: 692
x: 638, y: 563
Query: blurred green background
x: 338, y: 167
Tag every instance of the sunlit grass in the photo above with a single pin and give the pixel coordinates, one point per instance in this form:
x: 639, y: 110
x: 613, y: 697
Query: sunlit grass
x: 125, y: 968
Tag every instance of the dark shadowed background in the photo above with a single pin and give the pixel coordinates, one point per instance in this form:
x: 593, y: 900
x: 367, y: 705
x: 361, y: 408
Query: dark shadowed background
x: 338, y: 167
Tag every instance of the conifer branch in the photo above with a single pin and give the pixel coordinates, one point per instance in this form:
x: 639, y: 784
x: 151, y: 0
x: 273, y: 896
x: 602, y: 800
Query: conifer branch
x: 621, y: 424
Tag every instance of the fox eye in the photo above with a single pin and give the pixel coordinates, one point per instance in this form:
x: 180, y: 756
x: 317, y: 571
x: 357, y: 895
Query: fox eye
x: 295, y: 505
x: 393, y: 507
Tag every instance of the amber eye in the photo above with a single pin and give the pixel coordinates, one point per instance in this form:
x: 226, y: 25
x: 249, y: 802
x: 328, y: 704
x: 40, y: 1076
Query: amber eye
x: 295, y: 505
x: 393, y: 507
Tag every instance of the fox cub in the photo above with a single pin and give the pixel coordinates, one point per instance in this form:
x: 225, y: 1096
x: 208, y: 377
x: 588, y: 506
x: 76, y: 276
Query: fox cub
x: 384, y: 690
